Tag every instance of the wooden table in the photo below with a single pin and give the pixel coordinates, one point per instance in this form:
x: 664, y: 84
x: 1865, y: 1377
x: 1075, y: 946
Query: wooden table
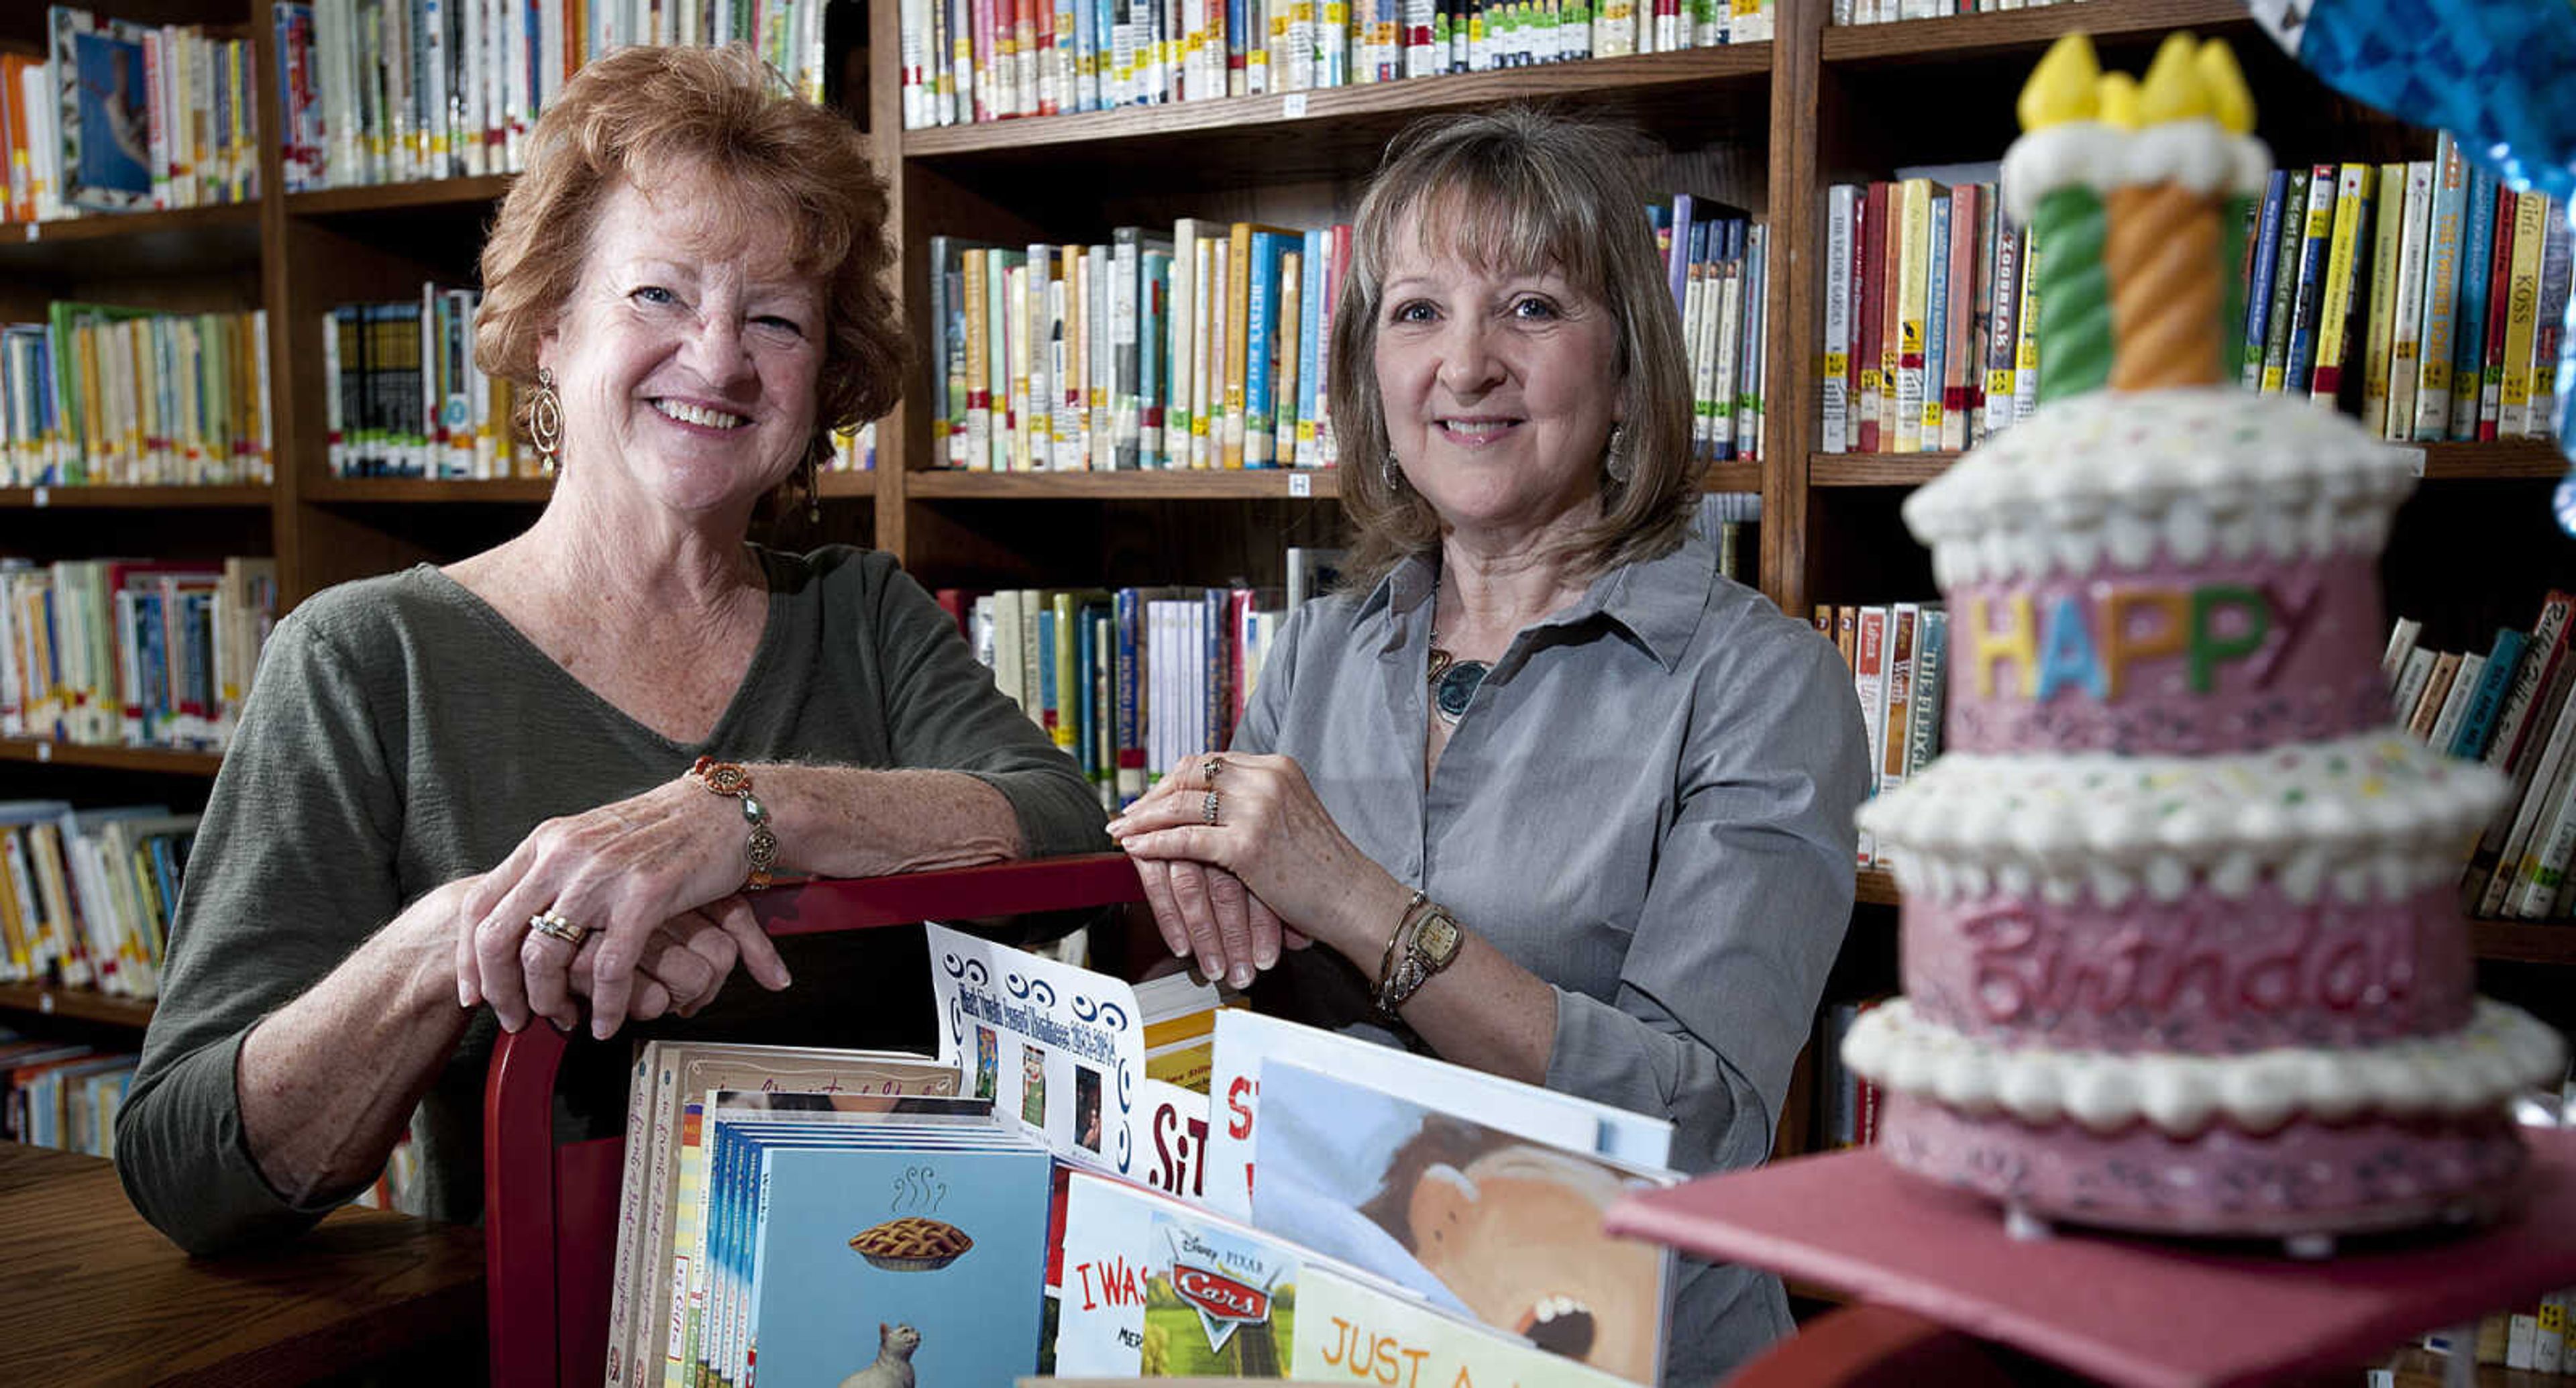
x: 99, y: 1296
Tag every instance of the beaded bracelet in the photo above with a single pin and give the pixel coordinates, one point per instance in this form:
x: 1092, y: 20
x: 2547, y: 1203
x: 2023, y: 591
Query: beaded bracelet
x: 732, y: 779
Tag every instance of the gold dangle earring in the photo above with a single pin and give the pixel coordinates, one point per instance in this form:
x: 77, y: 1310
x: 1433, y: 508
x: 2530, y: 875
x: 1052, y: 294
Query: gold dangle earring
x: 545, y: 424
x: 813, y: 491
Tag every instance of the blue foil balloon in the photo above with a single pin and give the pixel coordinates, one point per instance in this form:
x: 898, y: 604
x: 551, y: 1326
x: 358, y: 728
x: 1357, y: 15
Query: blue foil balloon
x: 2500, y: 75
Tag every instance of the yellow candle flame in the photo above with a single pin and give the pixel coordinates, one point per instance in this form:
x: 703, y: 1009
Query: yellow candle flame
x: 2061, y: 88
x: 2117, y: 97
x: 2226, y: 83
x: 2173, y: 90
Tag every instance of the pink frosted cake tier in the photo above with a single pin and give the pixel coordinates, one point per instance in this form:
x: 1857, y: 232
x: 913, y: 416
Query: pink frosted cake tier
x: 2178, y: 571
x: 2223, y: 657
x: 2206, y: 905
x: 2302, y: 1178
x: 2204, y: 974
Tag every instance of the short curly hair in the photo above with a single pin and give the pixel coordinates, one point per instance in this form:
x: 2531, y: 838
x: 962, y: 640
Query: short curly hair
x: 651, y: 116
x: 1521, y: 190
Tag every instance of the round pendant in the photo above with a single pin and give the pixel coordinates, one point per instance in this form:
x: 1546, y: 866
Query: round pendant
x: 1456, y: 688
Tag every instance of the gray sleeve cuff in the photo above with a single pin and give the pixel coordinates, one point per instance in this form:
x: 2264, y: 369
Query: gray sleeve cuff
x: 186, y: 1163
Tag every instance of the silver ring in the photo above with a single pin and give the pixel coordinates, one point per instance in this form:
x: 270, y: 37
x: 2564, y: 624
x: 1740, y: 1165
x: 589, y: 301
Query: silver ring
x: 555, y: 927
x: 1207, y: 807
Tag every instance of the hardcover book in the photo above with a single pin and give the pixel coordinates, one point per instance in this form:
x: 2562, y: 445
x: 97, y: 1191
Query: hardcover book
x: 1475, y: 1219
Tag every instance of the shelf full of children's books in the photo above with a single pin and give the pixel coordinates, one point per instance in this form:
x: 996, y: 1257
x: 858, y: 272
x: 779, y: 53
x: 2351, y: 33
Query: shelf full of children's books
x: 156, y: 498
x: 1685, y: 98
x: 1150, y: 484
x: 382, y: 197
x: 81, y: 1004
x: 160, y: 760
x: 2006, y: 30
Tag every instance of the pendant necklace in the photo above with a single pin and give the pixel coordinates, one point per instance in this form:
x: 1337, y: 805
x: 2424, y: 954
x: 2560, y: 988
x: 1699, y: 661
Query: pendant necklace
x: 1453, y: 681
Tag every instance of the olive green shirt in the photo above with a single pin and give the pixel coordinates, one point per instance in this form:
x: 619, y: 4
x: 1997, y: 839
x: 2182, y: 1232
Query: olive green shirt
x: 401, y: 734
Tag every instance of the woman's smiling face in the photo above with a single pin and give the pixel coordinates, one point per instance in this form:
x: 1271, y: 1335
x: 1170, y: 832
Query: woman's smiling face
x: 1499, y: 387
x: 687, y: 358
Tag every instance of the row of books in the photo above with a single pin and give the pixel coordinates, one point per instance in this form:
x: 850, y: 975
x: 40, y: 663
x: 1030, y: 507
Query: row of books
x: 123, y: 117
x: 110, y: 396
x: 393, y: 91
x: 131, y: 653
x: 969, y: 61
x: 1127, y: 683
x: 1716, y: 260
x: 1209, y: 347
x: 1899, y: 658
x: 1203, y: 348
x: 1018, y: 1201
x: 2508, y: 708
x: 1893, y: 11
x: 2425, y: 297
x: 2531, y: 1337
x: 62, y: 1095
x: 86, y: 895
x: 1928, y: 341
x: 408, y: 400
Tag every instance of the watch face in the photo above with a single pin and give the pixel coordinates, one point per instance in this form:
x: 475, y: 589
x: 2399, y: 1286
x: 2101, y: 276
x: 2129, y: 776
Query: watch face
x: 1437, y: 937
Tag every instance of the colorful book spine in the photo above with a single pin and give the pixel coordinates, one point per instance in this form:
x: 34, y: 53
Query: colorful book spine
x: 2258, y: 295
x: 2308, y: 308
x: 2378, y: 335
x: 2406, y: 329
x: 2469, y: 335
x: 2441, y: 294
x: 2354, y: 184
x: 2285, y: 282
x: 2006, y: 329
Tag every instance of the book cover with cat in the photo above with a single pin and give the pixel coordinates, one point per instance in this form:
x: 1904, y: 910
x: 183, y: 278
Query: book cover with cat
x: 891, y: 1267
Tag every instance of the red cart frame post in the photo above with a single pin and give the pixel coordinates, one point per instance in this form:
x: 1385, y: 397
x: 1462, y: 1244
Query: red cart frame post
x: 550, y: 1212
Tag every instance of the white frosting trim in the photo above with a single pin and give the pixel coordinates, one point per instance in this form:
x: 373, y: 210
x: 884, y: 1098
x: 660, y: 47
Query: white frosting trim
x: 2479, y: 1067
x: 2372, y: 815
x: 2072, y: 152
x: 2199, y: 154
x: 2114, y: 478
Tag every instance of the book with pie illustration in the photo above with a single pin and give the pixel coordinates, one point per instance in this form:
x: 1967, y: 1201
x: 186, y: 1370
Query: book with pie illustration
x: 913, y: 1243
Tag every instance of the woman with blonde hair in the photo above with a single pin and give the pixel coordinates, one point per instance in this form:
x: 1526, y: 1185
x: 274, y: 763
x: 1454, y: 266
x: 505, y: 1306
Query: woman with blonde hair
x: 465, y: 797
x: 1553, y: 796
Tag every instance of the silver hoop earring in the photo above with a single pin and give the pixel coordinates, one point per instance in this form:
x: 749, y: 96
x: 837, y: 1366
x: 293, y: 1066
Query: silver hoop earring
x: 545, y: 423
x: 1615, y: 460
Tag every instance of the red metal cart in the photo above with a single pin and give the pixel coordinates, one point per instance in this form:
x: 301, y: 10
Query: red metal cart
x: 550, y: 1212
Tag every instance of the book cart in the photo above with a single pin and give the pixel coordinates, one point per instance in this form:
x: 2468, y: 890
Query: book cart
x: 550, y: 1210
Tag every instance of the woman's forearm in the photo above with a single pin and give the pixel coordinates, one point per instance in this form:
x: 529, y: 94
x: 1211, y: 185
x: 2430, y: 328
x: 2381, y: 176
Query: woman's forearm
x: 848, y: 822
x: 328, y: 1082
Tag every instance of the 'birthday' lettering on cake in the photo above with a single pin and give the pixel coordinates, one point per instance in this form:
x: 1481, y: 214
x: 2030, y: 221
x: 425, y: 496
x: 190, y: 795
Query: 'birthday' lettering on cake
x: 2022, y: 969
x: 2092, y: 643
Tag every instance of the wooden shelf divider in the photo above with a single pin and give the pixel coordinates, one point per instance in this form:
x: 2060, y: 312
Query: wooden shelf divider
x: 162, y: 760
x: 84, y: 1004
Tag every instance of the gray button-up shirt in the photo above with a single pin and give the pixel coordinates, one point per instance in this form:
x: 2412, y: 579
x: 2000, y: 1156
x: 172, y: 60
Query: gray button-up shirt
x: 1648, y: 804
